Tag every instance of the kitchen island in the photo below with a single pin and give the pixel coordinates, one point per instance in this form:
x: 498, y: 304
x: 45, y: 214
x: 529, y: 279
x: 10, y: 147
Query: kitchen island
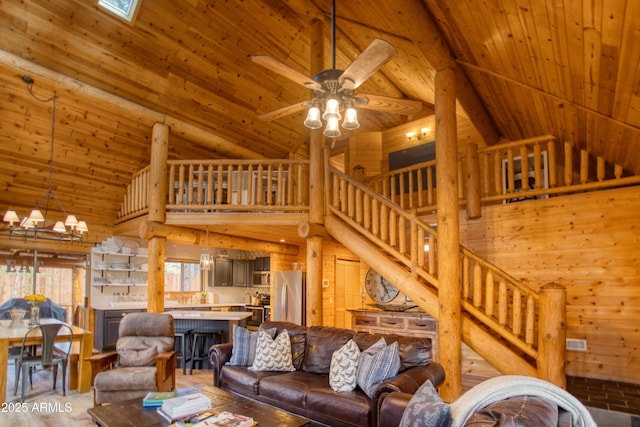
x: 107, y: 319
x: 209, y: 321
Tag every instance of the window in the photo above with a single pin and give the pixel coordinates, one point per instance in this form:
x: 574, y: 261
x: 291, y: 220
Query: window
x: 125, y: 9
x: 182, y: 277
x: 54, y: 283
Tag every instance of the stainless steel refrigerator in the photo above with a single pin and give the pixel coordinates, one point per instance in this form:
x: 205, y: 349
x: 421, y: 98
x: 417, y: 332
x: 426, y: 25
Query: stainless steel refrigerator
x: 289, y: 301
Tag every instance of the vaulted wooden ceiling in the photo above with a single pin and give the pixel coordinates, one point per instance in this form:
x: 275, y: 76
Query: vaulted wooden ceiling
x: 526, y: 68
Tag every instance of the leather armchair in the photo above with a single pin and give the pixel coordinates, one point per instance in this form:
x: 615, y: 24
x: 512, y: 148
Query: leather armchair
x: 144, y: 360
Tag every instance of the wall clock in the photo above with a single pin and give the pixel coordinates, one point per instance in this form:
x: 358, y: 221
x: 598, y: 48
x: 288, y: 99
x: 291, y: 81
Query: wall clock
x: 379, y: 288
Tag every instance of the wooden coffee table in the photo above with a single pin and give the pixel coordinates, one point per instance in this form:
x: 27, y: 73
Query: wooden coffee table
x: 132, y: 413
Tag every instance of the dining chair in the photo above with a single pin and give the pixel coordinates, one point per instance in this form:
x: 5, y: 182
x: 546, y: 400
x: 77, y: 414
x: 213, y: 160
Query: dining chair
x: 26, y: 361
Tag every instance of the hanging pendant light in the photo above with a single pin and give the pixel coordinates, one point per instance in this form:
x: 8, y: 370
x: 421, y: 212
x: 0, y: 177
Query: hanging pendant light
x: 206, y: 261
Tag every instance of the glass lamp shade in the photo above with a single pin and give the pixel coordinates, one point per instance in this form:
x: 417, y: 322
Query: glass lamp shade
x: 206, y: 262
x: 313, y: 118
x: 351, y: 119
x: 332, y: 110
x: 333, y: 128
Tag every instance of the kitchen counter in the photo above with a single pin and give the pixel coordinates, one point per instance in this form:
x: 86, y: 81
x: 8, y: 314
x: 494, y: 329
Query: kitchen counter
x: 209, y: 315
x: 210, y: 321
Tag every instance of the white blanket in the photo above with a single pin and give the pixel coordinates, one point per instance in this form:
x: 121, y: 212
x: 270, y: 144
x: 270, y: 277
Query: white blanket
x: 503, y: 387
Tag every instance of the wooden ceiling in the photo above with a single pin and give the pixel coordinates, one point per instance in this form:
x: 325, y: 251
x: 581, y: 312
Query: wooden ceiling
x: 525, y: 68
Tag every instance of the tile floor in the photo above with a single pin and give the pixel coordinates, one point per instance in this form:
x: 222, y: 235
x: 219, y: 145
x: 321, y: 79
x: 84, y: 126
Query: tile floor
x: 609, y: 395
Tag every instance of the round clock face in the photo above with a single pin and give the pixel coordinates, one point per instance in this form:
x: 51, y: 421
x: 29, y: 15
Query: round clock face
x: 378, y: 288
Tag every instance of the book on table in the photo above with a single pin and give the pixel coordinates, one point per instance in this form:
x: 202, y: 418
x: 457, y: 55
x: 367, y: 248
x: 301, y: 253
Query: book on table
x: 222, y: 419
x: 180, y: 407
x: 155, y: 398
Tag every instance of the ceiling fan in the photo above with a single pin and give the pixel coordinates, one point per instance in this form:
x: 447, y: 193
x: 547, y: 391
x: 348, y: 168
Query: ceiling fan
x: 333, y: 89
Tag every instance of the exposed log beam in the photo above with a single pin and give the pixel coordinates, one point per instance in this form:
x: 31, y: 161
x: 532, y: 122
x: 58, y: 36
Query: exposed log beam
x: 190, y: 236
x: 178, y: 127
x: 435, y: 48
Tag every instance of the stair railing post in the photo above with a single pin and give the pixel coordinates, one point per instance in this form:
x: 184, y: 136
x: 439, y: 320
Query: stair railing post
x: 552, y: 334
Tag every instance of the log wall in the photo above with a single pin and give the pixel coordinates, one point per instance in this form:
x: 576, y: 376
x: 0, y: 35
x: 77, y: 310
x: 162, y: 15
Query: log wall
x: 589, y: 243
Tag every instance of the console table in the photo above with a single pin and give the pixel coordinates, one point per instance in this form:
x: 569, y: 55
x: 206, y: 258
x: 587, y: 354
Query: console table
x: 408, y: 323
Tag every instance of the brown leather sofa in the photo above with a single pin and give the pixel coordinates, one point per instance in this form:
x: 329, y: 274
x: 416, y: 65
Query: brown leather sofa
x: 306, y: 391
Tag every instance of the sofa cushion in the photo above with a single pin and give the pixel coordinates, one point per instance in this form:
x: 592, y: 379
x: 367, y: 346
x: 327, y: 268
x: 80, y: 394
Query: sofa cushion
x: 273, y: 354
x: 322, y: 342
x: 344, y: 365
x: 243, y: 380
x: 244, y: 345
x: 413, y: 351
x: 426, y: 409
x: 524, y: 411
x: 377, y: 363
x: 334, y: 408
x: 291, y: 388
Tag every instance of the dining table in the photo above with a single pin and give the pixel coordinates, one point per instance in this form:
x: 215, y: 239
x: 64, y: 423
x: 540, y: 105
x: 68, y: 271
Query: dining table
x: 12, y: 333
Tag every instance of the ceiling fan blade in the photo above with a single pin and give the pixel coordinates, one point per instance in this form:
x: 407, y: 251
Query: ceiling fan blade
x: 285, y: 111
x: 286, y: 71
x: 368, y: 62
x: 387, y: 104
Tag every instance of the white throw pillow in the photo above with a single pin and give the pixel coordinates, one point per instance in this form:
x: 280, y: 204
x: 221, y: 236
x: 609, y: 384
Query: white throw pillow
x: 273, y: 354
x: 344, y: 365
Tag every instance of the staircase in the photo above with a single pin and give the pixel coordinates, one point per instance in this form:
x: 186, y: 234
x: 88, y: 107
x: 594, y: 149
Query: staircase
x: 515, y: 328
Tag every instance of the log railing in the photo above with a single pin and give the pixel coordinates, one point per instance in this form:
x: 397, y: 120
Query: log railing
x: 136, y: 202
x: 497, y: 300
x: 554, y: 168
x: 225, y: 185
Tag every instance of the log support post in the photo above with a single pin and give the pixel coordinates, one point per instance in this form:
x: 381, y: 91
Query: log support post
x: 449, y: 295
x: 157, y: 212
x: 473, y: 182
x: 316, y: 197
x: 552, y: 334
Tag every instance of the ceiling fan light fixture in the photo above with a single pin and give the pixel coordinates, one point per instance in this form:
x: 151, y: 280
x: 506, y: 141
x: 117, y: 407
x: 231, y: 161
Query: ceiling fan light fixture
x: 350, y: 118
x: 333, y: 128
x: 313, y: 118
x: 332, y: 109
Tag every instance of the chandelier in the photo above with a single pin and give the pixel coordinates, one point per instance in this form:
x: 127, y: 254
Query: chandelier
x: 35, y: 225
x: 206, y: 260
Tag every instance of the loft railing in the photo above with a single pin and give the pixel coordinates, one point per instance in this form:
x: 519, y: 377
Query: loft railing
x: 136, y: 200
x: 497, y: 300
x: 225, y: 185
x: 238, y: 185
x: 552, y: 169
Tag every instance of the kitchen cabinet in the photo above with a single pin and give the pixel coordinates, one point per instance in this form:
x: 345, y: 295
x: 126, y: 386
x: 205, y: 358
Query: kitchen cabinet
x: 242, y: 272
x: 223, y: 272
x: 262, y: 264
x: 107, y: 323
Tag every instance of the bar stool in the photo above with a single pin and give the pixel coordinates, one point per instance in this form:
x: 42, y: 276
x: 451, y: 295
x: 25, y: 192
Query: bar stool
x: 182, y: 339
x: 199, y: 350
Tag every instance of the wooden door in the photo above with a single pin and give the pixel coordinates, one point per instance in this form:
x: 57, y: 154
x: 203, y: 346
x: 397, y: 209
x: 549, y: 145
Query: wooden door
x: 346, y: 293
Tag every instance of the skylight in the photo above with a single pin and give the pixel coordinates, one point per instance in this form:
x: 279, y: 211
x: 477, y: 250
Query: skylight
x: 125, y: 9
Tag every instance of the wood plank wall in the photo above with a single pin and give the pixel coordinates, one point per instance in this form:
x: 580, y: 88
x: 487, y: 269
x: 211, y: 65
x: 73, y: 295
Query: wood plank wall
x: 589, y: 243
